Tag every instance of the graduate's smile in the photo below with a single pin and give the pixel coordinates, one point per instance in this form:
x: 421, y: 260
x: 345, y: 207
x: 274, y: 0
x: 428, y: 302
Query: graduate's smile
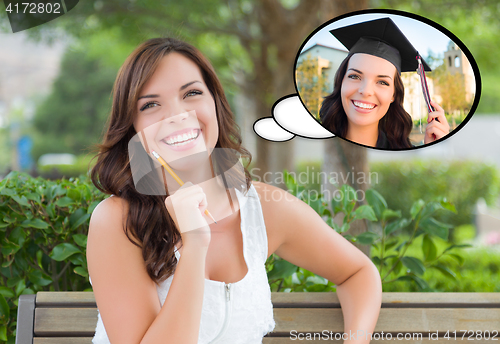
x: 362, y: 106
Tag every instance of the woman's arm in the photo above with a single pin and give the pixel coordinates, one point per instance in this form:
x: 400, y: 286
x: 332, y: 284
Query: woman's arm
x: 304, y: 239
x: 125, y: 294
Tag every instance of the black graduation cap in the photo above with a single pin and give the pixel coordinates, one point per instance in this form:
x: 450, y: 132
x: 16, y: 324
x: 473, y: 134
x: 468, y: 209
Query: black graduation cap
x: 381, y: 38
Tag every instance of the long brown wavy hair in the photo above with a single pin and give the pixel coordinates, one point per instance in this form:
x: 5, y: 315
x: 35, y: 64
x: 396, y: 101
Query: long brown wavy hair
x: 148, y: 221
x: 396, y: 124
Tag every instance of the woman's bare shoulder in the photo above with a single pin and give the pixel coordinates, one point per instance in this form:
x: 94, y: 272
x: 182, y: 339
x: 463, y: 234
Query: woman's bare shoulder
x: 279, y: 208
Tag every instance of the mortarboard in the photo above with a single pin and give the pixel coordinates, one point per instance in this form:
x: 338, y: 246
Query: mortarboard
x: 382, y: 38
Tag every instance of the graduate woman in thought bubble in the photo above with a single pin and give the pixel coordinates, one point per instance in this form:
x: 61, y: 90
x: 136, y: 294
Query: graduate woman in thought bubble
x: 162, y: 271
x: 366, y: 105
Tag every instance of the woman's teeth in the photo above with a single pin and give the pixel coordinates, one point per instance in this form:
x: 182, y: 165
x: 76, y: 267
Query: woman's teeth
x: 182, y: 139
x: 363, y: 105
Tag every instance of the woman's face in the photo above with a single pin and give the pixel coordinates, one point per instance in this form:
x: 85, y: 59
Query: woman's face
x: 176, y: 112
x: 367, y: 89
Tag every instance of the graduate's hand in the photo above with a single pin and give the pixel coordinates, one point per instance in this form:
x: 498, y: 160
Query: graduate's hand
x: 437, y: 126
x: 186, y: 206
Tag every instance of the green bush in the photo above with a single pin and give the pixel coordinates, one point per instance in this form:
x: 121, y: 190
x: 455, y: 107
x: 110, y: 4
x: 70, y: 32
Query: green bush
x: 476, y: 269
x: 43, y: 236
x: 390, y: 251
x: 463, y: 183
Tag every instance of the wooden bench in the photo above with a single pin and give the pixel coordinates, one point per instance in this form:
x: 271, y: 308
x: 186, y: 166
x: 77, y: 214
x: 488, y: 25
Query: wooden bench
x: 71, y: 317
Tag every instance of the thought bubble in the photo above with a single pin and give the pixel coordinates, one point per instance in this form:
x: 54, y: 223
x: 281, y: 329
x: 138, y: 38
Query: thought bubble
x: 290, y: 118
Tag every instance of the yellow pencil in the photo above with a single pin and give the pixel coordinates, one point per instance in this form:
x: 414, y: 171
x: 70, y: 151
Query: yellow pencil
x: 176, y: 177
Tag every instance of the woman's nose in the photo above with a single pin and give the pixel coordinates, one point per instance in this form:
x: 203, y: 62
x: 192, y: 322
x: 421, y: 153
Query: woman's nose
x: 177, y: 117
x: 365, y: 88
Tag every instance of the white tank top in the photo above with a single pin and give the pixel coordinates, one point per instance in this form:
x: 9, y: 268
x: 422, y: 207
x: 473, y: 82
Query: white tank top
x: 239, y: 312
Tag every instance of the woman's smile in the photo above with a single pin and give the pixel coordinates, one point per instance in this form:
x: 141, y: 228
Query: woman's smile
x: 363, y: 107
x: 183, y: 139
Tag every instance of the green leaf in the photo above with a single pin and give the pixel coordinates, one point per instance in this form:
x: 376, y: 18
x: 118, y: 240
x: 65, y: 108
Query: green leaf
x: 35, y: 223
x: 7, y: 192
x: 416, y: 208
x: 336, y: 205
x: 376, y: 201
x: 390, y: 245
x: 290, y: 181
x: 80, y: 239
x: 316, y: 280
x: 459, y: 258
x: 23, y: 201
x: 36, y: 277
x: 64, y: 202
x: 50, y: 210
x: 414, y: 264
x: 281, y: 269
x: 420, y: 282
x: 432, y: 226
x: 457, y: 246
x: 74, y: 194
x: 63, y: 251
x: 20, y: 287
x: 398, y: 267
x: 429, y: 209
x: 395, y: 225
x: 349, y: 237
x: 3, y: 333
x: 34, y: 197
x: 365, y: 212
x: 13, y: 281
x: 390, y: 214
x: 448, y: 206
x: 367, y: 238
x: 81, y: 271
x: 445, y: 271
x: 428, y: 248
x: 344, y: 228
x: 7, y: 292
x: 78, y: 218
x: 348, y: 198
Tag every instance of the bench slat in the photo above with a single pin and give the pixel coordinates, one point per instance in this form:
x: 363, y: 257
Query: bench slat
x: 63, y: 340
x: 82, y: 321
x: 391, y: 319
x: 88, y: 340
x: 74, y: 322
x: 315, y: 300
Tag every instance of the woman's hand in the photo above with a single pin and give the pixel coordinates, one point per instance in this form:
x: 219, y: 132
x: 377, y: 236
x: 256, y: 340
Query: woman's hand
x: 437, y: 126
x: 186, y: 206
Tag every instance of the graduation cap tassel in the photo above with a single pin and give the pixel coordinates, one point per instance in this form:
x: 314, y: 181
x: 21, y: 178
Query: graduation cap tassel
x: 423, y: 82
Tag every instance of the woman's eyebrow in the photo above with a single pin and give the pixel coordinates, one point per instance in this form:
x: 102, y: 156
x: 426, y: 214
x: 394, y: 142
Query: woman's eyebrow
x: 378, y: 76
x: 181, y: 88
x: 149, y: 96
x: 188, y: 84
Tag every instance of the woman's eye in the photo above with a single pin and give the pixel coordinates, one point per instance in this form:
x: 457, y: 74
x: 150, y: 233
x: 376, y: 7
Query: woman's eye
x: 385, y: 83
x: 192, y: 93
x: 353, y: 76
x: 149, y: 105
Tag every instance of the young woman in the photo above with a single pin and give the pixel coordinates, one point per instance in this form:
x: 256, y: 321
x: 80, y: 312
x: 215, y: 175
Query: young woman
x: 366, y: 105
x: 162, y: 271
